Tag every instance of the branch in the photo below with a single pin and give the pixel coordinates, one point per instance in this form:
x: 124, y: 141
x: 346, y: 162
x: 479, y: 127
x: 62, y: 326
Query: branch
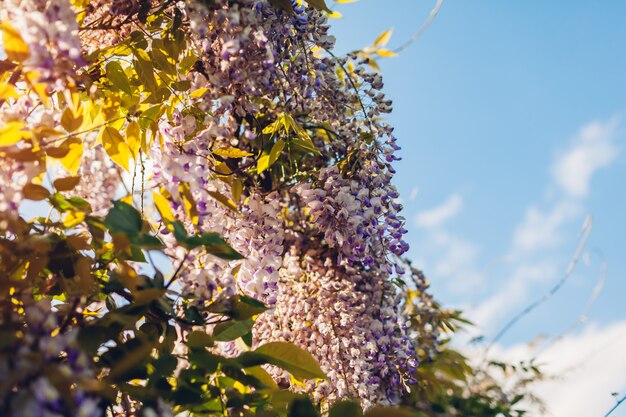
x: 586, y: 230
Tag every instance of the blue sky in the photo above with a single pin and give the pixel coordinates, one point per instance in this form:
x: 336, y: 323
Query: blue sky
x: 512, y: 119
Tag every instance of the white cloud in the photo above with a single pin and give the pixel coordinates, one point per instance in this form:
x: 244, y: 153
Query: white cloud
x: 493, y: 312
x: 586, y: 368
x: 438, y: 215
x: 592, y: 149
x: 541, y: 229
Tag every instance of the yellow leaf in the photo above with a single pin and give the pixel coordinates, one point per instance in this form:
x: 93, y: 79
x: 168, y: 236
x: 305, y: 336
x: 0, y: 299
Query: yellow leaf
x: 7, y: 91
x: 71, y: 160
x: 198, y: 93
x: 12, y: 133
x: 74, y: 218
x: 13, y: 44
x: 70, y: 121
x: 385, y: 53
x: 66, y: 184
x: 224, y: 200
x: 335, y: 15
x: 115, y: 146
x: 39, y: 88
x: 231, y: 153
x: 163, y: 206
x: 263, y: 163
x: 35, y: 192
x: 383, y: 38
x: 189, y: 203
x: 133, y: 137
x: 236, y: 188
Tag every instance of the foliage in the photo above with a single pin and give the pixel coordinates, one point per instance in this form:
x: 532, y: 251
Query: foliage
x: 222, y: 234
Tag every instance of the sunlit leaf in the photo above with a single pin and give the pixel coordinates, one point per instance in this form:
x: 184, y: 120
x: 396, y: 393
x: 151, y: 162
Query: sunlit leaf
x: 133, y: 138
x: 383, y: 38
x: 11, y: 133
x: 13, y: 43
x: 231, y: 152
x: 319, y: 5
x: 115, y: 146
x: 291, y: 358
x: 118, y: 77
x: 71, y: 160
x: 70, y: 121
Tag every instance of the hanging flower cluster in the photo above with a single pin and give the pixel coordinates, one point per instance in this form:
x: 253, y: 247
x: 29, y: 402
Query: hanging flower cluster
x: 270, y: 167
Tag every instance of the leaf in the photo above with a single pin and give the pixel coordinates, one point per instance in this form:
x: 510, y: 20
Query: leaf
x: 163, y: 206
x: 189, y: 203
x: 11, y: 133
x: 224, y: 200
x: 319, y: 5
x: 133, y: 138
x: 145, y: 70
x: 13, y: 43
x: 232, y: 330
x: 7, y: 91
x: 277, y: 148
x: 383, y: 38
x: 385, y: 53
x: 147, y: 296
x: 123, y: 218
x: 231, y: 152
x: 199, y: 339
x: 116, y: 147
x: 71, y: 160
x: 118, y: 77
x: 212, y: 242
x: 263, y: 376
x: 35, y: 192
x: 66, y: 184
x: 283, y: 4
x: 389, y: 412
x: 70, y: 121
x: 346, y: 409
x: 263, y: 163
x: 291, y: 358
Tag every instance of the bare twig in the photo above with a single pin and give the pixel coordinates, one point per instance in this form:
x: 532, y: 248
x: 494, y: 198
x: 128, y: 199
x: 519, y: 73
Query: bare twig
x: 422, y: 28
x: 585, y: 231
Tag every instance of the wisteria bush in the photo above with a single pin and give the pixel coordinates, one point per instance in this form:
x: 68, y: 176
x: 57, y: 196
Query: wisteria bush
x: 197, y: 217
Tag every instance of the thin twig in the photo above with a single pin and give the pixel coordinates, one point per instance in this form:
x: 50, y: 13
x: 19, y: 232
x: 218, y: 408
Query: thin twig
x: 422, y: 29
x: 615, y: 406
x: 586, y: 230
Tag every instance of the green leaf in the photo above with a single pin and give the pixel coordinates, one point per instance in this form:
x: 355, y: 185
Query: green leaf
x: 302, y: 407
x: 291, y: 358
x: 389, y: 412
x: 118, y: 77
x: 238, y: 307
x: 283, y: 4
x: 212, y: 242
x: 199, y: 339
x: 263, y: 376
x: 123, y: 218
x: 319, y: 5
x: 232, y: 330
x: 346, y: 409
